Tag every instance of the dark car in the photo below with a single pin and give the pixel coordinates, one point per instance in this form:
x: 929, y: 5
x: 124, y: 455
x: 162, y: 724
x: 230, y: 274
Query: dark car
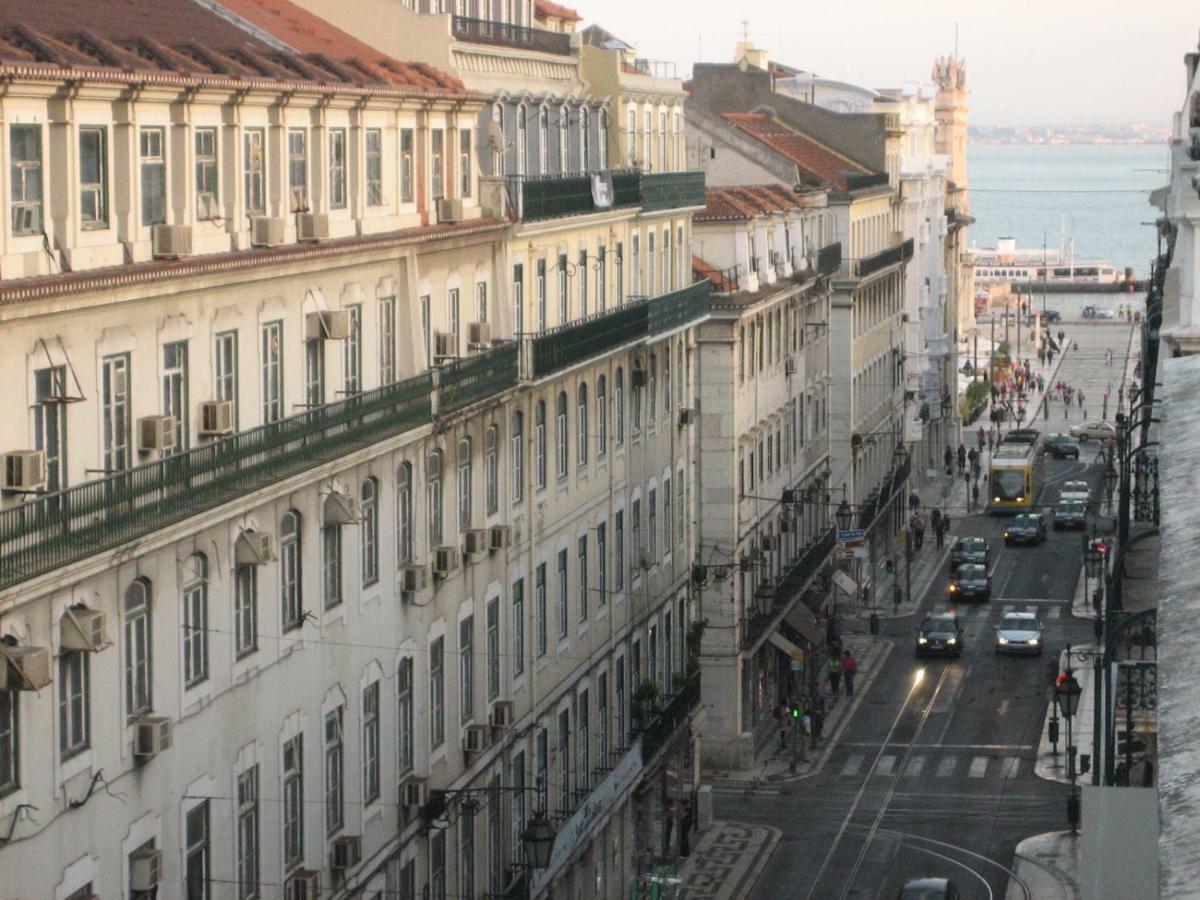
x: 1070, y: 515
x: 968, y: 550
x: 971, y: 582
x: 940, y: 635
x: 929, y: 889
x: 1027, y: 528
x: 1051, y: 315
x: 1062, y: 446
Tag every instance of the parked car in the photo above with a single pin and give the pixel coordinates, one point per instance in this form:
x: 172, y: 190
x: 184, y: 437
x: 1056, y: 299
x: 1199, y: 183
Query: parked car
x: 968, y: 550
x: 1027, y: 528
x: 1019, y: 632
x: 1051, y: 315
x: 1099, y: 431
x: 1098, y: 312
x: 1062, y: 446
x: 1070, y: 514
x: 929, y: 889
x: 1075, y: 491
x: 971, y: 582
x: 940, y: 634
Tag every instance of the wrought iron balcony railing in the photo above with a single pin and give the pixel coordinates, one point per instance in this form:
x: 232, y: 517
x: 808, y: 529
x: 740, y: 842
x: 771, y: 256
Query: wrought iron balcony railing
x: 858, y: 182
x: 789, y: 587
x: 534, y: 197
x: 659, y: 732
x: 503, y: 34
x: 869, y: 265
x: 473, y: 378
x: 672, y: 190
x: 829, y: 259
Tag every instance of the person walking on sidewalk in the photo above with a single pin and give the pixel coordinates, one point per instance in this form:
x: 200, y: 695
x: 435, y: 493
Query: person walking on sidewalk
x: 962, y: 457
x: 849, y: 668
x: 935, y: 519
x: 785, y: 723
x: 1079, y: 397
x: 948, y: 459
x: 834, y: 668
x: 979, y: 438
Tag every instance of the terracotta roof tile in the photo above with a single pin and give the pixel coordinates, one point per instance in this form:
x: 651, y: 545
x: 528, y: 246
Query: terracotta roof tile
x: 720, y: 284
x: 815, y: 160
x: 730, y: 204
x: 546, y: 8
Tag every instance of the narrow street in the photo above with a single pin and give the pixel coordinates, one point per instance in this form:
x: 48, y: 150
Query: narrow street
x: 934, y: 773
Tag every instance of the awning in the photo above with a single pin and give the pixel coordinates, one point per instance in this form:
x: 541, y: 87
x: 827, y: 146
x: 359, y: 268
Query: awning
x: 783, y: 643
x: 802, y: 619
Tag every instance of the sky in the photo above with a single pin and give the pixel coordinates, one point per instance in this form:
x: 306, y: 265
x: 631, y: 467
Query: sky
x: 1030, y: 62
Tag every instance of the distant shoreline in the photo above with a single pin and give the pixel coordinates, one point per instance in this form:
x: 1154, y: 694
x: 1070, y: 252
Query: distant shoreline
x: 985, y: 143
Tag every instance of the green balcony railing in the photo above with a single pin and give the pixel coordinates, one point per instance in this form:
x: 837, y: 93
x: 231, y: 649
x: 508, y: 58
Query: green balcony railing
x: 466, y: 381
x: 829, y: 259
x: 535, y: 197
x: 659, y: 731
x: 885, y: 258
x: 678, y: 308
x: 73, y: 524
x: 672, y: 190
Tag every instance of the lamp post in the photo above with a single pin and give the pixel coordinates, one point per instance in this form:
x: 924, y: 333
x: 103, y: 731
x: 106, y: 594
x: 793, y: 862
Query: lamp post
x: 1110, y: 479
x: 1066, y: 693
x: 1093, y: 565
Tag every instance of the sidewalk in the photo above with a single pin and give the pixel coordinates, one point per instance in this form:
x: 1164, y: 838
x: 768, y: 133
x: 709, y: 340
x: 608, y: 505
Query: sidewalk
x: 1053, y: 766
x: 1049, y: 865
x: 727, y: 859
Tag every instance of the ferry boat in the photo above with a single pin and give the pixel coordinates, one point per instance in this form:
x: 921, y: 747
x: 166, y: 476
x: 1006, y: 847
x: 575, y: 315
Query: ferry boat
x: 1008, y: 263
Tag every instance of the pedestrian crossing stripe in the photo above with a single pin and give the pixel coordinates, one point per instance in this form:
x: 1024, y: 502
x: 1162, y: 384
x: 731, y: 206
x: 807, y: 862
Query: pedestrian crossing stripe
x: 949, y: 766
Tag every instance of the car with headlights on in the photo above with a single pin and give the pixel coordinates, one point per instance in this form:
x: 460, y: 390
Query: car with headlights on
x: 1070, y: 515
x: 971, y: 582
x: 1027, y: 528
x: 1019, y: 632
x: 940, y: 634
x: 968, y: 550
x: 1075, y: 490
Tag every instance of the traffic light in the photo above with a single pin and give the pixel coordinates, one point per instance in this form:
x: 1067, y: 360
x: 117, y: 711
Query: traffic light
x: 889, y: 566
x: 794, y: 710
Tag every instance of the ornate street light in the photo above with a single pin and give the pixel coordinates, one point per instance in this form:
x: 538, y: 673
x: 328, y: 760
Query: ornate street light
x: 1110, y: 479
x: 1066, y: 693
x: 1093, y: 560
x: 538, y: 840
x: 844, y: 515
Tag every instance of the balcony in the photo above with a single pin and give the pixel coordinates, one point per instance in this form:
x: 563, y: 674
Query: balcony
x: 503, y: 34
x: 534, y: 197
x: 869, y: 265
x: 789, y: 587
x: 879, y: 499
x: 474, y: 378
x: 829, y: 259
x: 663, y: 727
x: 672, y: 190
x: 58, y: 529
x: 859, y: 182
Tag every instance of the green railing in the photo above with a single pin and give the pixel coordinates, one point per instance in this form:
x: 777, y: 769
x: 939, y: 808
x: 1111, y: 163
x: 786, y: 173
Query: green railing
x: 829, y: 259
x: 475, y: 378
x: 70, y: 525
x: 885, y: 258
x: 671, y: 190
x: 676, y: 309
x: 548, y: 196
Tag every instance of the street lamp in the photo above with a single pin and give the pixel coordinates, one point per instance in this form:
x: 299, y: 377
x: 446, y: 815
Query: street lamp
x: 1066, y: 693
x: 1110, y: 478
x: 1093, y: 566
x: 844, y: 514
x: 538, y: 840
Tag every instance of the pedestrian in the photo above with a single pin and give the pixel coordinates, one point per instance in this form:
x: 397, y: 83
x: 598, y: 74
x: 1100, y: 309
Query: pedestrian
x: 1061, y: 334
x: 948, y: 459
x: 1049, y: 357
x: 962, y: 457
x: 1041, y: 356
x: 975, y: 492
x: 849, y: 668
x: 979, y: 437
x: 835, y: 676
x: 991, y: 440
x: 973, y: 457
x: 1067, y: 410
x: 818, y: 717
x: 935, y: 519
x: 1079, y: 396
x: 920, y: 532
x: 939, y: 532
x: 785, y: 723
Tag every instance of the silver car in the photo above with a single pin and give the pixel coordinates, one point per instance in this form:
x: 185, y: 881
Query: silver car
x: 1077, y: 491
x: 1019, y: 632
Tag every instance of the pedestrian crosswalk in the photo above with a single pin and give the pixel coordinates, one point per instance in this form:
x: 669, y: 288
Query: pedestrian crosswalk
x: 922, y: 765
x: 979, y: 611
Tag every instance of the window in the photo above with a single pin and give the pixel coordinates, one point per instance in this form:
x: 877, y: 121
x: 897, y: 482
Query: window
x: 433, y: 491
x: 138, y: 648
x: 522, y: 140
x: 331, y: 565
x: 582, y: 754
x: 426, y: 326
x: 406, y: 165
x: 254, y: 165
x: 564, y: 612
x: 652, y: 524
x: 272, y: 372
x: 195, y: 620
x: 247, y: 834
x: 370, y: 742
x: 666, y: 374
x: 543, y: 138
x: 679, y: 506
x: 404, y: 715
x: 93, y: 177
x: 636, y: 401
x: 370, y: 531
x: 518, y: 299
x: 290, y: 585
x: 197, y: 885
x: 452, y: 315
x: 208, y: 186
x: 541, y: 294
x: 560, y: 432
x: 564, y: 311
x: 662, y: 142
x: 602, y: 719
x: 666, y: 261
x: 518, y: 627
x: 585, y: 149
x: 297, y: 146
x: 437, y: 695
x: 517, y: 806
x: 680, y: 387
x: 581, y: 427
x: 25, y: 149
x: 352, y: 351
x: 652, y: 393
x: 518, y: 457
x: 635, y: 288
x: 293, y: 802
x: 387, y: 340
x: 619, y: 405
x: 334, y: 774
x: 245, y: 609
x: 225, y: 367
x: 337, y: 168
x: 631, y: 156
x: 619, y: 274
x: 466, y: 853
x: 491, y: 469
x: 115, y: 412
x: 619, y: 688
x: 374, y: 154
x: 635, y: 515
x: 539, y: 599
x: 603, y: 141
x: 466, y: 668
x: 564, y: 158
x: 583, y: 284
x: 464, y: 162
x: 493, y: 648
x: 404, y: 513
x: 50, y: 423
x: 437, y: 865
x: 650, y: 260
x: 314, y: 373
x: 583, y: 577
x: 539, y: 443
x: 174, y: 389
x: 481, y: 314
x: 619, y: 550
x: 74, y: 728
x: 463, y: 483
x: 437, y: 140
x: 565, y: 802
x: 153, y: 171
x: 647, y: 150
x: 495, y: 838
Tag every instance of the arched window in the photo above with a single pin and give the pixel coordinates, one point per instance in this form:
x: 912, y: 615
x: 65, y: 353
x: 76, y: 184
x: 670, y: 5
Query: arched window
x: 290, y: 587
x: 522, y: 137
x: 518, y: 456
x: 602, y: 142
x: 370, y: 531
x: 543, y: 139
x: 491, y: 469
x: 564, y: 157
x: 433, y: 496
x: 463, y: 483
x: 666, y: 379
x: 539, y: 443
x: 601, y: 416
x: 581, y: 426
x: 195, y: 619
x: 138, y: 648
x: 498, y: 152
x: 560, y: 433
x: 631, y: 135
x: 619, y: 405
x: 585, y: 136
x: 404, y: 513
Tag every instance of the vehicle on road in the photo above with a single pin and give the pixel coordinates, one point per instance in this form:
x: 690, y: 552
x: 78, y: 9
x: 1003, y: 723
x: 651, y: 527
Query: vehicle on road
x: 968, y: 550
x: 1027, y: 528
x: 940, y: 635
x: 929, y: 889
x: 1051, y: 315
x: 1097, y: 312
x: 1016, y: 471
x: 1096, y: 431
x: 1062, y: 446
x: 971, y: 582
x: 1019, y: 632
x: 1078, y: 491
x: 1070, y: 514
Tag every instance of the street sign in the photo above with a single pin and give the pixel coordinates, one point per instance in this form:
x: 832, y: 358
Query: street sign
x: 847, y: 537
x: 797, y: 660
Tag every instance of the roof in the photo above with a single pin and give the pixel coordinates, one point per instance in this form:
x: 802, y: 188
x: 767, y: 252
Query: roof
x: 240, y: 42
x: 597, y: 36
x: 732, y: 204
x: 815, y: 160
x: 547, y: 9
x: 720, y: 284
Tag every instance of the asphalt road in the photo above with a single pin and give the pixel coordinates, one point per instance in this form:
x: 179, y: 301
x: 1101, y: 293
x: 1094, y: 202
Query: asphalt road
x: 933, y: 775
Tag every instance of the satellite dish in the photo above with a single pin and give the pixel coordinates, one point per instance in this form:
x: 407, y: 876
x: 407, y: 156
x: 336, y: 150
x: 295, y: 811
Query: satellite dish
x: 495, y: 136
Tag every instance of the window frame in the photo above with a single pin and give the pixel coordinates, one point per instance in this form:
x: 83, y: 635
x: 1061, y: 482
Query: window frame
x: 98, y: 187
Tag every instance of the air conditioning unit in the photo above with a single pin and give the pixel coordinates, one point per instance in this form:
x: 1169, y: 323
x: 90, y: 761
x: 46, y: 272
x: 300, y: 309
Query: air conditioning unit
x: 769, y: 542
x: 785, y: 526
x: 207, y: 208
x: 686, y: 417
x: 479, y: 334
x: 327, y: 325
x: 24, y: 219
x: 341, y: 509
x: 151, y: 736
x: 502, y: 714
x: 312, y: 227
x: 156, y: 433
x: 266, y: 231
x: 499, y: 537
x: 414, y: 792
x: 475, y: 738
x: 346, y: 852
x: 412, y: 579
x: 303, y: 884
x: 216, y: 418
x: 170, y: 241
x: 475, y: 540
x: 445, y: 345
x: 253, y: 548
x: 82, y: 629
x: 24, y: 471
x: 24, y: 668
x: 445, y: 561
x: 145, y: 869
x: 637, y: 377
x: 789, y: 366
x: 449, y: 211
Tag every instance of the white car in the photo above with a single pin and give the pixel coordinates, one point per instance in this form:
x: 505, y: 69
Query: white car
x: 1097, y: 431
x: 1075, y: 491
x: 1019, y: 632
